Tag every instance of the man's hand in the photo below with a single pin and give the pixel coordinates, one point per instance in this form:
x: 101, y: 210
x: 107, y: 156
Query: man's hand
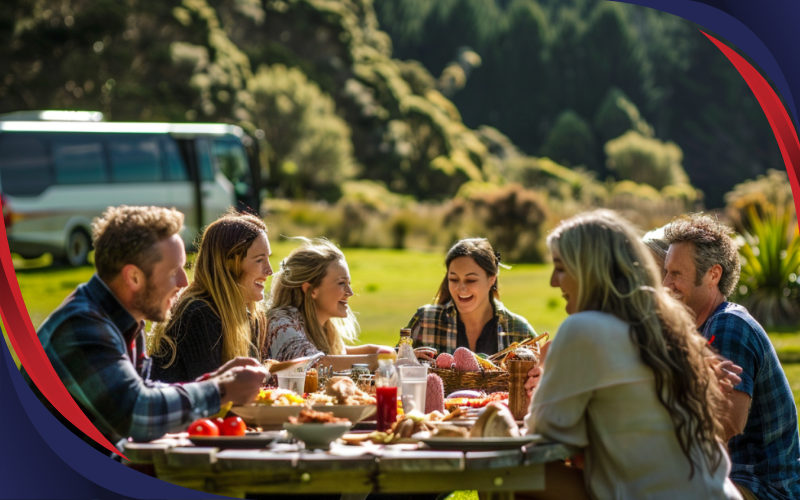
x: 425, y: 353
x: 241, y: 384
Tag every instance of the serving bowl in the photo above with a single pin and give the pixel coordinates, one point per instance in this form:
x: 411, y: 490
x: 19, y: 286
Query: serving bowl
x: 318, y: 436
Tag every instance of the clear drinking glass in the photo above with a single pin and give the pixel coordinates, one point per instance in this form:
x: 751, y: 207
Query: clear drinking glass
x: 414, y: 387
x: 293, y: 380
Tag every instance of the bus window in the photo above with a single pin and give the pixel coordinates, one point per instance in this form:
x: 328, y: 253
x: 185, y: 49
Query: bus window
x: 79, y: 161
x: 135, y: 159
x: 232, y: 162
x: 204, y: 160
x: 24, y: 165
x: 176, y: 169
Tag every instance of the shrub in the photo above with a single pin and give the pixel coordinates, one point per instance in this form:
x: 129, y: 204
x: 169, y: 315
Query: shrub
x: 511, y: 217
x: 768, y: 190
x: 770, y: 252
x: 644, y: 160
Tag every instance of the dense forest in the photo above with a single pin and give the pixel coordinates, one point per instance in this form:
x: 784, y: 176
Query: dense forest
x: 543, y: 63
x: 419, y: 96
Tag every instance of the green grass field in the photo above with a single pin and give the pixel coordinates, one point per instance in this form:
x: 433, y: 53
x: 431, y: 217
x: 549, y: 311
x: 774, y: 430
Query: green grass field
x: 389, y: 285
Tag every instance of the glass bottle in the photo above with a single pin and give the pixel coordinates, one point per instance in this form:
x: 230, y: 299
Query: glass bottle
x: 405, y: 352
x: 386, y: 392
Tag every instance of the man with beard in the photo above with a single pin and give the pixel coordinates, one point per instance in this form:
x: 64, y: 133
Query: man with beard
x: 95, y: 338
x: 701, y: 270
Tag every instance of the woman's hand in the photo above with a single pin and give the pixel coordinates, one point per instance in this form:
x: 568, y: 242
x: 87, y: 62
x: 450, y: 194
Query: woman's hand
x: 727, y: 373
x: 383, y: 348
x: 535, y: 373
x: 425, y: 353
x: 238, y: 361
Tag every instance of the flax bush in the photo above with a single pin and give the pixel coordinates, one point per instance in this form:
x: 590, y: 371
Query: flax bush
x: 770, y: 253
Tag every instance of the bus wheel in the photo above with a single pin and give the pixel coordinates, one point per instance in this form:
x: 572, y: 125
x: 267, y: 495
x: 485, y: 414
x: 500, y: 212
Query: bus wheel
x: 77, y: 249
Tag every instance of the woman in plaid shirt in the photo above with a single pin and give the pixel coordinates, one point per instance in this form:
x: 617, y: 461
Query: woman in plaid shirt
x: 467, y: 311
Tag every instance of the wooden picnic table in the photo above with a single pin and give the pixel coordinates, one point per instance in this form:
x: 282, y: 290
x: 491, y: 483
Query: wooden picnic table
x: 346, y: 469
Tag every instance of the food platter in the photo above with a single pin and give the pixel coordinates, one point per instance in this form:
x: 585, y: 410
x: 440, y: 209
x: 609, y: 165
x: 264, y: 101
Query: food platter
x: 267, y: 416
x: 273, y: 417
x: 250, y: 440
x: 353, y: 413
x: 479, y: 444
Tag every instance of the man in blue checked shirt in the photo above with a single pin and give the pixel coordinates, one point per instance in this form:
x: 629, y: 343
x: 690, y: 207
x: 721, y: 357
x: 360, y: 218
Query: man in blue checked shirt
x: 702, y: 270
x: 95, y: 338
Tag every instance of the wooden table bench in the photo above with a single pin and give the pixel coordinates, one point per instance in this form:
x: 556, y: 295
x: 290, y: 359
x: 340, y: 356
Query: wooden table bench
x: 346, y: 469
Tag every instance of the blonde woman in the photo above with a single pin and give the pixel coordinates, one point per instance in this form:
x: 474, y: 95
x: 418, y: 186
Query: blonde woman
x: 221, y: 315
x: 309, y: 310
x: 625, y: 379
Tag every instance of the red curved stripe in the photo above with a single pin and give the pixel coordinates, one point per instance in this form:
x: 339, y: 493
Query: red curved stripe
x: 779, y: 120
x: 26, y: 344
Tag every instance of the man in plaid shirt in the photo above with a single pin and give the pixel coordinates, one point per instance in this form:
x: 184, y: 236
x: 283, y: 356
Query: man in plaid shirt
x: 702, y: 269
x: 95, y: 338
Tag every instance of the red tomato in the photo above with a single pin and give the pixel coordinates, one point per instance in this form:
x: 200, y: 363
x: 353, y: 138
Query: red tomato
x: 233, y: 426
x: 203, y: 427
x: 219, y: 423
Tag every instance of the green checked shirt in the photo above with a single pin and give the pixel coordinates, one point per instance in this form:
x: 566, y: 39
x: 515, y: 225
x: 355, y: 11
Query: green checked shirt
x: 436, y: 325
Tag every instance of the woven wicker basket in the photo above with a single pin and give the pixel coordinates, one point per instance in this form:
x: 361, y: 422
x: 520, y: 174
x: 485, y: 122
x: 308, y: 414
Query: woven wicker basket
x: 488, y: 382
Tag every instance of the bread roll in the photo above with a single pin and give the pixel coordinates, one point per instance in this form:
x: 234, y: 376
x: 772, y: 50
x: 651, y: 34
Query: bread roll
x: 495, y: 421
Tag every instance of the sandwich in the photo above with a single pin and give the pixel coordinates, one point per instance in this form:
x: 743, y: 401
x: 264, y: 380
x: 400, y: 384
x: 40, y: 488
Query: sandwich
x: 495, y: 421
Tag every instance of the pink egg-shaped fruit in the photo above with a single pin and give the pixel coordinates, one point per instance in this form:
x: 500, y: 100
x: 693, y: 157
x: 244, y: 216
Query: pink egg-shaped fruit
x: 434, y: 397
x: 445, y: 360
x: 465, y: 360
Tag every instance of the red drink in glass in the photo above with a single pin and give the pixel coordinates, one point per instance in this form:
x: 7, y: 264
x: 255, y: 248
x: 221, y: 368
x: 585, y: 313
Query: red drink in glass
x: 387, y: 407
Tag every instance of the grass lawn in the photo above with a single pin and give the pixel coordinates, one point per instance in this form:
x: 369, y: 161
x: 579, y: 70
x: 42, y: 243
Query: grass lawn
x: 389, y: 286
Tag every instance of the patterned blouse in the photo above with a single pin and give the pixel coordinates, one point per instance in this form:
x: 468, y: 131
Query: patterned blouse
x: 286, y: 336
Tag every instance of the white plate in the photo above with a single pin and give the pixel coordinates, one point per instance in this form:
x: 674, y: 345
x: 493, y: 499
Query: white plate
x: 249, y: 440
x: 476, y: 444
x: 266, y: 416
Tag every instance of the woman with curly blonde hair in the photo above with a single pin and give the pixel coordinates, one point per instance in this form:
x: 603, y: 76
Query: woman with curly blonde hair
x: 626, y: 378
x: 221, y: 314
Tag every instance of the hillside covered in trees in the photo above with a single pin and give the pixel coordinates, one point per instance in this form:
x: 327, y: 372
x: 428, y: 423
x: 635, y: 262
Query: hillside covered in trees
x: 423, y: 97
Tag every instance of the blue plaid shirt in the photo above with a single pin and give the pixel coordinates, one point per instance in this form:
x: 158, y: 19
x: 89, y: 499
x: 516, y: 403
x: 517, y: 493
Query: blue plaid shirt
x: 97, y: 349
x: 766, y: 456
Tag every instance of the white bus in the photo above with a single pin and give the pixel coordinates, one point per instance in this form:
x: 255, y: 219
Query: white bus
x: 56, y: 176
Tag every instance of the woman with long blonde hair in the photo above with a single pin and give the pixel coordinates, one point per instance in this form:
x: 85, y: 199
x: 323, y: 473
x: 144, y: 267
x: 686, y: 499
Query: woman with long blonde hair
x: 626, y: 378
x: 221, y: 314
x: 308, y: 306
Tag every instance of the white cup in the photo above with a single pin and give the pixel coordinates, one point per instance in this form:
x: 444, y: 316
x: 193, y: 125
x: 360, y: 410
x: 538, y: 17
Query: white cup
x: 293, y: 380
x: 414, y: 387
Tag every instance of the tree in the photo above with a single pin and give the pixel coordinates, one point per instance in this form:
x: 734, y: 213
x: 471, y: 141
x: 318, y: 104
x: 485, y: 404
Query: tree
x: 570, y: 141
x: 310, y: 153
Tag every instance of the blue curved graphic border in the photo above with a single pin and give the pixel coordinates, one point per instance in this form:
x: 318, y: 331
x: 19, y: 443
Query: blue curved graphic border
x: 39, y: 458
